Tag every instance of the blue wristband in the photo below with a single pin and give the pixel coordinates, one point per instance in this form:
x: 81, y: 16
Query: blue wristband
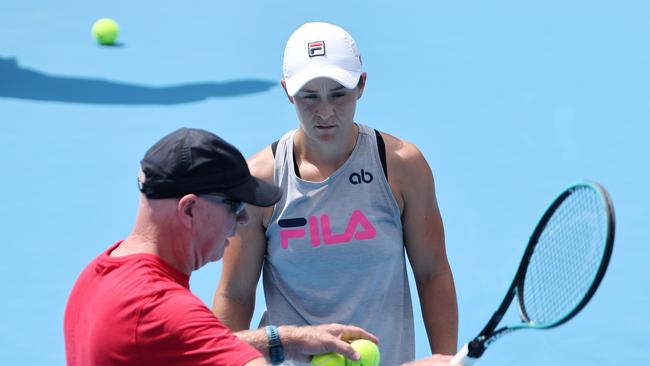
x: 276, y: 351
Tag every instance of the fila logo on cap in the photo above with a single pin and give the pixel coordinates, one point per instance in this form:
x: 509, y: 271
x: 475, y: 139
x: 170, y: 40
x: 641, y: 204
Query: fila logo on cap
x: 316, y: 48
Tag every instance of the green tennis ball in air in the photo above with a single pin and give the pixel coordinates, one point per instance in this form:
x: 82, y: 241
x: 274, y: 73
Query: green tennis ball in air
x: 328, y: 359
x: 105, y: 31
x: 369, y: 353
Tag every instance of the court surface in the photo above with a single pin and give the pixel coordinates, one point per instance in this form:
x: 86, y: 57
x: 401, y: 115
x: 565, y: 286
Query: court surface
x: 509, y: 101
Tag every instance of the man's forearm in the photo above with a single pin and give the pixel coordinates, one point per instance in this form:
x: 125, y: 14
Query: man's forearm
x: 257, y: 339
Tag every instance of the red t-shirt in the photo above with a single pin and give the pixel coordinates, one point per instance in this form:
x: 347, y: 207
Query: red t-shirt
x: 138, y: 310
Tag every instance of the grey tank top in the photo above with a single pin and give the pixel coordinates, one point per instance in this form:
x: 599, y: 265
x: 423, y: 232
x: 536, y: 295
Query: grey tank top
x: 335, y: 251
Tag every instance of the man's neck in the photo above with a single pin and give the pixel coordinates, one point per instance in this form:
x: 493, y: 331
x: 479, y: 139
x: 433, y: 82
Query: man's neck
x: 135, y: 245
x: 142, y: 244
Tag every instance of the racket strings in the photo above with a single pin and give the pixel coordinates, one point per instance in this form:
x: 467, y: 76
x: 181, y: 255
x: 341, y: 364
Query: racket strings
x: 566, y: 258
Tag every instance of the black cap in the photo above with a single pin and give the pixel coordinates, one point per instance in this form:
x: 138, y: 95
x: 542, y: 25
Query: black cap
x: 196, y: 161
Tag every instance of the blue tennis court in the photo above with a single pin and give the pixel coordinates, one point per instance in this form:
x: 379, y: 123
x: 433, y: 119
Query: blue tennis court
x: 510, y: 103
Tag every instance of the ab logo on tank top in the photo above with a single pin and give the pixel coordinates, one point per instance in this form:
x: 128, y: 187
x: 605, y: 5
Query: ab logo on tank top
x: 358, y: 178
x: 358, y: 228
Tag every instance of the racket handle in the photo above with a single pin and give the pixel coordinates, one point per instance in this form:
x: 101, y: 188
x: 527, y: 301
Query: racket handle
x: 461, y: 358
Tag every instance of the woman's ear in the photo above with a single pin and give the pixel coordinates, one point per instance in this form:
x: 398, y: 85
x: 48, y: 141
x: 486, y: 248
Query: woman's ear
x: 361, y: 84
x: 284, y: 86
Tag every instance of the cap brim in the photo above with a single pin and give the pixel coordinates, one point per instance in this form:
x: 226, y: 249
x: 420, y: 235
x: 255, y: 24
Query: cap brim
x: 256, y: 192
x: 348, y: 79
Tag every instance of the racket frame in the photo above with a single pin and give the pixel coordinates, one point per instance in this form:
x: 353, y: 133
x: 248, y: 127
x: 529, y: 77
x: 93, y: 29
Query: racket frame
x: 475, y: 348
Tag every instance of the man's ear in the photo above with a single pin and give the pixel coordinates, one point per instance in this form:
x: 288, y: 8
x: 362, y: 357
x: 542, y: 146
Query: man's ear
x: 186, y: 209
x: 284, y: 86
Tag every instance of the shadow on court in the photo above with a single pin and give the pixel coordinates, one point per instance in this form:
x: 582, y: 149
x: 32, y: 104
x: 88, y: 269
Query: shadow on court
x: 22, y: 83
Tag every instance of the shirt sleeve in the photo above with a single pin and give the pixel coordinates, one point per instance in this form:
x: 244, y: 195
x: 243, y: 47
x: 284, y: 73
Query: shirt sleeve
x: 176, y: 328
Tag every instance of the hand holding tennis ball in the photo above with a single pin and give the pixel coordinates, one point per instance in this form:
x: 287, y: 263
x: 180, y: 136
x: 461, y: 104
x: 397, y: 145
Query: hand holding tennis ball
x: 369, y: 356
x: 105, y: 31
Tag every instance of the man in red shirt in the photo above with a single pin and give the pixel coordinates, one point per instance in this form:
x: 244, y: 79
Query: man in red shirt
x: 132, y: 304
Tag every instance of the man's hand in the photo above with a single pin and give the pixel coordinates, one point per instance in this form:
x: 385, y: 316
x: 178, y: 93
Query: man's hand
x: 300, y: 343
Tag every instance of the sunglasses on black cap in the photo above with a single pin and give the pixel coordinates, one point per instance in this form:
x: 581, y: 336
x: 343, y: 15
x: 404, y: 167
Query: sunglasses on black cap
x: 236, y: 207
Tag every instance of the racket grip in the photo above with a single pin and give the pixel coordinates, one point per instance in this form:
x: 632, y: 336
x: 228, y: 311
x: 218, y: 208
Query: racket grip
x: 461, y: 358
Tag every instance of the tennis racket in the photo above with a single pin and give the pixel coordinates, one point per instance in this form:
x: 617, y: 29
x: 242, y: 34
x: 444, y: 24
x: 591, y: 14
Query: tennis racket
x: 564, y: 262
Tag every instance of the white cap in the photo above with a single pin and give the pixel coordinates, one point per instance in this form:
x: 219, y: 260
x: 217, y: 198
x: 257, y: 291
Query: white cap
x: 320, y: 50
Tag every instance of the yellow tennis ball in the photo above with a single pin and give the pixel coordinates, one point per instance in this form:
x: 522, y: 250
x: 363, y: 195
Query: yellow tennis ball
x: 328, y: 359
x: 105, y: 31
x: 369, y: 353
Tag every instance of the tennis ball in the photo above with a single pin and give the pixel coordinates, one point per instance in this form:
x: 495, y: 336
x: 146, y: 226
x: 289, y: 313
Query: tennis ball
x: 369, y: 353
x: 328, y: 359
x: 105, y: 31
